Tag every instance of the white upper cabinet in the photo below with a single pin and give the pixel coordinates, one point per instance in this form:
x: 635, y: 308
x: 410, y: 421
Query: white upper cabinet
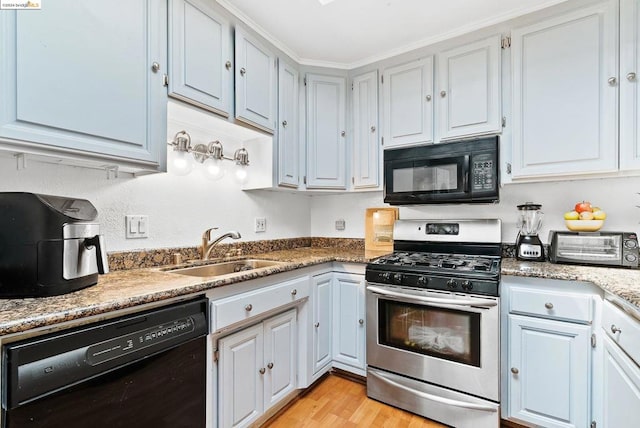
x: 366, y: 146
x: 629, y: 83
x: 255, y: 82
x: 408, y: 103
x: 565, y: 94
x: 326, y: 135
x: 199, y: 54
x: 72, y: 83
x: 288, y: 138
x: 469, y: 89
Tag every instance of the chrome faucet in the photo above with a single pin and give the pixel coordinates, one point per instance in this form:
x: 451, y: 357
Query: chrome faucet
x: 208, y: 244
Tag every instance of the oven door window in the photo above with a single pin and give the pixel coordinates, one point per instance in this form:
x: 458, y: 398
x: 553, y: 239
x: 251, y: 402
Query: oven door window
x: 433, y: 176
x: 443, y: 333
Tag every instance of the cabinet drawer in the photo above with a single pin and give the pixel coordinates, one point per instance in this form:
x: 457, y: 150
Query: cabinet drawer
x: 243, y: 307
x: 622, y: 328
x: 548, y: 304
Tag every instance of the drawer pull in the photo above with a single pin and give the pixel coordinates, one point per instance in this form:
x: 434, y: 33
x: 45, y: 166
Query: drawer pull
x: 248, y: 307
x: 514, y: 370
x: 316, y: 325
x: 262, y: 370
x: 270, y: 366
x: 548, y: 305
x: 294, y: 292
x: 361, y: 321
x: 615, y: 329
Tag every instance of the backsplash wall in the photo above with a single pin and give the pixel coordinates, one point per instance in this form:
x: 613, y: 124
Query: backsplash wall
x: 618, y: 197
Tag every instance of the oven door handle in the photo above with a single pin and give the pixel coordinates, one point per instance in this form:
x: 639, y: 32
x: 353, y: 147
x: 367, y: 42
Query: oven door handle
x: 437, y: 399
x: 482, y: 303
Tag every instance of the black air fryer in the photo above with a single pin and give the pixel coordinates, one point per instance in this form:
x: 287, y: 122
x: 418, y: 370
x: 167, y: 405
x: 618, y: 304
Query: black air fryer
x: 49, y: 245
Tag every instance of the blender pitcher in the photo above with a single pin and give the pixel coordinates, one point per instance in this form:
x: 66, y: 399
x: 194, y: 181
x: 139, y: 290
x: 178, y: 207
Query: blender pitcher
x: 528, y: 244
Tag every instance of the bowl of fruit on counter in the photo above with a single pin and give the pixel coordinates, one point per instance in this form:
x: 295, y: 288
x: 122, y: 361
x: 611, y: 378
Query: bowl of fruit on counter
x: 585, y: 217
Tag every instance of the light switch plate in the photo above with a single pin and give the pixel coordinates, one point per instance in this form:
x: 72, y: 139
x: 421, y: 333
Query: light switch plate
x: 340, y: 224
x: 261, y: 224
x: 136, y: 226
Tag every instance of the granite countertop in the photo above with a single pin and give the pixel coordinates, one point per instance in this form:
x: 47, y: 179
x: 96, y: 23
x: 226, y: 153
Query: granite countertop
x: 130, y: 288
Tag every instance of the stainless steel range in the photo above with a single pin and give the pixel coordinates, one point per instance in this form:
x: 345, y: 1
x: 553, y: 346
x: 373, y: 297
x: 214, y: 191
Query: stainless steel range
x: 433, y: 321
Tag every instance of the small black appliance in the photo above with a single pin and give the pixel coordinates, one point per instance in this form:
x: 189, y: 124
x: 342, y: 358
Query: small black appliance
x: 49, y: 245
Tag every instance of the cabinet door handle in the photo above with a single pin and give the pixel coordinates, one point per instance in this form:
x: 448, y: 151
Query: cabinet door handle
x: 262, y: 370
x: 248, y: 307
x: 243, y: 71
x: 443, y: 94
x: 428, y: 97
x: 270, y: 365
x: 514, y: 370
x: 155, y: 67
x: 294, y: 292
x: 612, y: 81
x: 284, y: 123
x: 361, y: 321
x: 316, y: 325
x: 373, y: 129
x: 548, y: 305
x: 343, y: 133
x: 227, y: 65
x: 631, y: 76
x: 615, y: 329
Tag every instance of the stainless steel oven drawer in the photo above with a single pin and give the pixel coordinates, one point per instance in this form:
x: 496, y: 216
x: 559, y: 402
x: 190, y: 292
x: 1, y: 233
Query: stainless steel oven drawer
x: 547, y: 304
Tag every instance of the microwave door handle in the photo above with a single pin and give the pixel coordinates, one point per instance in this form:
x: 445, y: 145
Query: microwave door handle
x: 466, y: 179
x: 435, y: 301
x: 437, y: 399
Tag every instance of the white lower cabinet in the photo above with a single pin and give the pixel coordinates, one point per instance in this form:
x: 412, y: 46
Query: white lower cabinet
x: 550, y: 352
x: 322, y: 315
x: 621, y: 388
x: 256, y: 369
x: 349, y: 323
x: 549, y: 368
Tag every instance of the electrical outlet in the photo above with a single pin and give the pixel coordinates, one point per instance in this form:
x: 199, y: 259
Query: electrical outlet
x: 136, y: 226
x: 340, y: 224
x: 261, y: 224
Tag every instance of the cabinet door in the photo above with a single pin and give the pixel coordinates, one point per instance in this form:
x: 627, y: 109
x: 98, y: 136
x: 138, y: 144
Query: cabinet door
x: 366, y: 149
x: 408, y: 104
x: 565, y: 99
x: 322, y: 317
x: 469, y: 89
x: 71, y: 82
x: 199, y: 56
x: 326, y: 142
x: 348, y: 320
x: 280, y: 352
x: 241, y: 385
x: 288, y: 142
x: 255, y: 82
x: 621, y: 388
x: 629, y: 84
x: 549, y: 382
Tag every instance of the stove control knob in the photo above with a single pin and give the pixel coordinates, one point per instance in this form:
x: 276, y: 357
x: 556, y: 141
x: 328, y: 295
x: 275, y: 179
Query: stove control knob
x: 466, y: 285
x: 385, y: 276
x: 397, y: 278
x: 422, y: 281
x: 452, y: 283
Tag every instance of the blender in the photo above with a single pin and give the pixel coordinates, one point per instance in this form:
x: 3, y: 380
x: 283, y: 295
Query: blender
x: 528, y: 244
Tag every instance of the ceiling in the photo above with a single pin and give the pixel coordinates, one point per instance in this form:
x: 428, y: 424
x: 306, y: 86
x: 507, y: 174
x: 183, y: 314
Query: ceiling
x: 350, y: 33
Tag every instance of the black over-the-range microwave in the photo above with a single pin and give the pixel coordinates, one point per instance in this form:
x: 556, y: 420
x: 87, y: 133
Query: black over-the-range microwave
x: 455, y: 172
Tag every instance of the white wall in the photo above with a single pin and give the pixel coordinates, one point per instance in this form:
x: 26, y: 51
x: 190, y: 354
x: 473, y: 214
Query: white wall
x: 617, y: 196
x: 179, y: 208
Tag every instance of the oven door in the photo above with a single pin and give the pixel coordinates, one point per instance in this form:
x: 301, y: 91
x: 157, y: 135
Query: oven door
x: 447, y: 339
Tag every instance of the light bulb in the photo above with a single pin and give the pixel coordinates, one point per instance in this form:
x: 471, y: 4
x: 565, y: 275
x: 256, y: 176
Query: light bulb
x: 213, y: 169
x: 241, y: 174
x: 181, y: 162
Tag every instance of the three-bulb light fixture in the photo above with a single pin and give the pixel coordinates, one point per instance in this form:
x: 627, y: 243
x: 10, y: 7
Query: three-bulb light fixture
x: 210, y: 156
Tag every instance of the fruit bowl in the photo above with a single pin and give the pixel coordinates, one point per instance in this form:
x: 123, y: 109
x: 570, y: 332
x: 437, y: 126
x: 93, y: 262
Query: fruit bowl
x: 584, y: 225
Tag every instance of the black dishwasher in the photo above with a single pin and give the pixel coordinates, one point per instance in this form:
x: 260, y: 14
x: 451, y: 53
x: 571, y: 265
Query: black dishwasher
x: 144, y: 370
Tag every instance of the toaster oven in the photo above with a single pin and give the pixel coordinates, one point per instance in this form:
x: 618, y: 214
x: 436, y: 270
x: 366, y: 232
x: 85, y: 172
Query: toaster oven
x: 594, y: 248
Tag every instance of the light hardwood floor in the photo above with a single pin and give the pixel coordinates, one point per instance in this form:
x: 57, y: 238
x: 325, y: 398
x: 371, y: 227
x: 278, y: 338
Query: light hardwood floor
x: 339, y: 402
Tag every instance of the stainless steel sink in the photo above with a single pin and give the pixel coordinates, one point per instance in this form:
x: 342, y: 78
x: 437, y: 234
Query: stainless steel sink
x: 226, y: 268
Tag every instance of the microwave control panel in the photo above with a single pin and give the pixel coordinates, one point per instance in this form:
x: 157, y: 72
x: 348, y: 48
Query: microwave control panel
x: 483, y: 172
